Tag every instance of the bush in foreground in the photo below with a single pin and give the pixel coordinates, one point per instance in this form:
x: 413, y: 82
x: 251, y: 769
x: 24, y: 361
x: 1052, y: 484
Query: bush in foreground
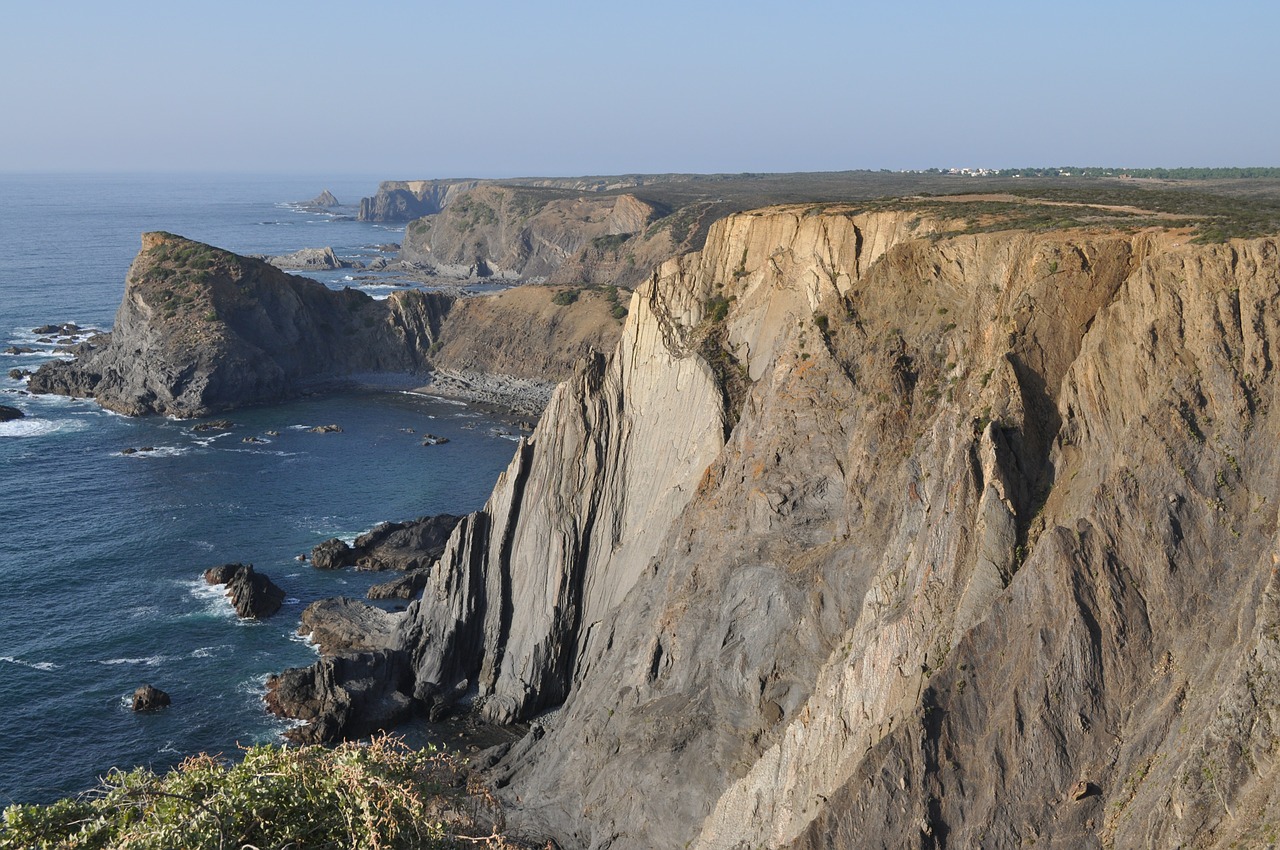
x: 379, y: 794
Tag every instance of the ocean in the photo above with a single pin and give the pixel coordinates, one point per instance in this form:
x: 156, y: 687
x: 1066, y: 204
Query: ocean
x: 101, y: 553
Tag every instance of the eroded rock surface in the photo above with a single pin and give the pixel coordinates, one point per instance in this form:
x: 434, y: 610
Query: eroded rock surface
x: 870, y: 535
x: 252, y: 594
x: 201, y: 330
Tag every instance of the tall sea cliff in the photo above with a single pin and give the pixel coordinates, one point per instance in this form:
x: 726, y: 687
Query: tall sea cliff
x: 875, y: 530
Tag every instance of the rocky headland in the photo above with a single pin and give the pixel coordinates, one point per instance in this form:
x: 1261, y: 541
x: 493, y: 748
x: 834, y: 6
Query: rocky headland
x: 882, y: 528
x: 202, y: 330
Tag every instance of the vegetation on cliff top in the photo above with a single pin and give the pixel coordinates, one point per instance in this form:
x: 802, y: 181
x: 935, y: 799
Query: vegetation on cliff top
x: 1211, y: 217
x: 375, y: 795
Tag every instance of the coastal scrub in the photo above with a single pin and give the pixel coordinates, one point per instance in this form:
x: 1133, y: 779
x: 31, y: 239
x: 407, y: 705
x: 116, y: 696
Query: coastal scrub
x: 377, y: 794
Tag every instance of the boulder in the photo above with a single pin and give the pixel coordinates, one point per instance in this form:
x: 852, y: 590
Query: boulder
x: 20, y: 349
x: 253, y: 595
x: 19, y: 374
x: 46, y: 329
x: 406, y: 586
x: 332, y: 554
x: 148, y: 698
x: 8, y: 413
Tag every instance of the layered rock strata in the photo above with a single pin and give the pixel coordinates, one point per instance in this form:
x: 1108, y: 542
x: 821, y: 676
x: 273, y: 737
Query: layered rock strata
x: 201, y: 330
x: 873, y: 534
x: 513, y: 233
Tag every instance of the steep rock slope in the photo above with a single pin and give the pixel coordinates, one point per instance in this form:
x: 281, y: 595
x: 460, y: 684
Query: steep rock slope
x: 404, y: 200
x: 532, y: 233
x: 871, y: 535
x: 201, y: 329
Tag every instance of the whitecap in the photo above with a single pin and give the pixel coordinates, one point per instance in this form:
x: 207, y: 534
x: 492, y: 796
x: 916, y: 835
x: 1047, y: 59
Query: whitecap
x: 306, y: 640
x: 44, y: 666
x: 214, y: 598
x: 37, y: 427
x: 292, y: 600
x: 148, y: 661
x: 144, y: 612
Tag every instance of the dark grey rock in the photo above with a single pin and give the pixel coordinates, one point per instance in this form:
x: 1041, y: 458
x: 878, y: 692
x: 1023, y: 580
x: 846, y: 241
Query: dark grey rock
x: 148, y: 698
x: 8, y: 414
x: 253, y: 595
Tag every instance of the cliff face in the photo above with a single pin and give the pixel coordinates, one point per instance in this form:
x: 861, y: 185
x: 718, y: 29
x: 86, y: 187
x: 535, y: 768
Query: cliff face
x: 528, y: 233
x: 405, y: 200
x: 869, y: 535
x: 201, y: 330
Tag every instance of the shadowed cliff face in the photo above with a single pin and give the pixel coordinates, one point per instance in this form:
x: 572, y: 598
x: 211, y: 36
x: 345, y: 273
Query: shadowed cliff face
x: 867, y: 535
x: 530, y: 233
x: 201, y: 329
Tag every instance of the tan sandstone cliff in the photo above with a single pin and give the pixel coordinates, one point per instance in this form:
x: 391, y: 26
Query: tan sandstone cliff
x: 869, y: 535
x: 874, y: 534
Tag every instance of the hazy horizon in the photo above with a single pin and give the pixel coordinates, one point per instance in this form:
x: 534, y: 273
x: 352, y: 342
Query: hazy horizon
x: 402, y: 91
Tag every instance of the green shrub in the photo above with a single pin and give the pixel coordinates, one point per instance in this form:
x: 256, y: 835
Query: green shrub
x: 375, y: 795
x: 565, y: 297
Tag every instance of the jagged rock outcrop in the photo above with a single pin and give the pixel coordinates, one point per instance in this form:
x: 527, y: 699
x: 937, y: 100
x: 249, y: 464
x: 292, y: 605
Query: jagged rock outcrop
x: 389, y: 546
x: 308, y: 259
x: 254, y: 595
x: 201, y: 329
x: 874, y: 534
x: 8, y: 414
x: 325, y: 200
x: 508, y: 232
x: 361, y: 684
x: 405, y: 200
x: 150, y: 698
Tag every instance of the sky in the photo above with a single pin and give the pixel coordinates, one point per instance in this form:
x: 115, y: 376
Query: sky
x: 500, y: 89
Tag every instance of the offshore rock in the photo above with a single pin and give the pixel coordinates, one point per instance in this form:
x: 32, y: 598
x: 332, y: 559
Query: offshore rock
x: 8, y: 414
x: 308, y: 259
x: 325, y: 200
x: 201, y: 330
x: 148, y: 698
x: 252, y: 594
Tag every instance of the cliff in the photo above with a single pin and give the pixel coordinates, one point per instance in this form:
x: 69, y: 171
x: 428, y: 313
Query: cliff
x: 537, y: 234
x: 201, y: 330
x: 404, y: 200
x: 881, y: 529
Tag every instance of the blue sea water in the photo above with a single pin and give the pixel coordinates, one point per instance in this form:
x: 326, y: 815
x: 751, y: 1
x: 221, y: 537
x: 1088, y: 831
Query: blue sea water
x: 101, y: 553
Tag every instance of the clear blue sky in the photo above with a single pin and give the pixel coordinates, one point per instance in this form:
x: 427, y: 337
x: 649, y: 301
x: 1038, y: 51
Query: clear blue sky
x: 420, y: 89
